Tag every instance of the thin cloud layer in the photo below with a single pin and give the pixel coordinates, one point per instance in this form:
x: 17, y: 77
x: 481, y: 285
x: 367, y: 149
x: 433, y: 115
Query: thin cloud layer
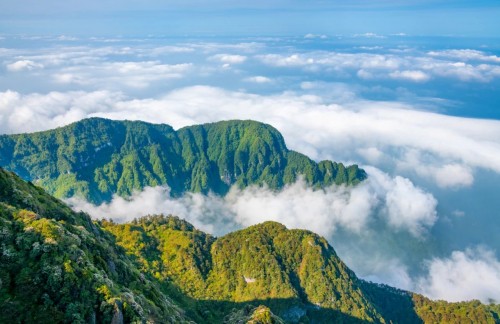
x: 23, y: 65
x: 411, y: 66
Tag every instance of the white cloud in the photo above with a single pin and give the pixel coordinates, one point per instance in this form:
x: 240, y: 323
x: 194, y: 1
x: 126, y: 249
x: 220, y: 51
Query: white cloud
x: 458, y: 213
x: 369, y: 35
x: 366, y: 75
x: 299, y: 206
x: 209, y: 213
x: 169, y: 49
x: 407, y: 206
x: 23, y: 65
x: 228, y: 58
x: 443, y: 173
x: 66, y: 38
x: 402, y: 206
x: 115, y: 74
x: 465, y: 275
x: 311, y: 124
x: 315, y: 36
x: 410, y: 75
x: 259, y: 79
x: 45, y: 111
x: 406, y: 65
x: 389, y: 271
x: 454, y: 175
x: 371, y: 154
x: 465, y: 55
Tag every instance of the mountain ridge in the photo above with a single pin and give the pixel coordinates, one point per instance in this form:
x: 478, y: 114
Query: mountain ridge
x: 57, y: 265
x: 96, y: 158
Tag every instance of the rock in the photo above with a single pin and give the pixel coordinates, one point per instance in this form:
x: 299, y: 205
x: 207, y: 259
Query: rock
x: 118, y: 313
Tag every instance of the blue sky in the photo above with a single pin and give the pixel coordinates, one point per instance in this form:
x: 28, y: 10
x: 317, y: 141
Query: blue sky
x: 459, y: 18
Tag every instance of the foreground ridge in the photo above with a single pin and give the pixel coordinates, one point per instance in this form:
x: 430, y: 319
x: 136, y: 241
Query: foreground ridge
x: 96, y: 158
x: 60, y: 266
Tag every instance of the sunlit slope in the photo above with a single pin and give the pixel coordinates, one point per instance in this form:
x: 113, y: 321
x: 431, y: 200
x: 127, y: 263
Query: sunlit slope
x: 295, y: 273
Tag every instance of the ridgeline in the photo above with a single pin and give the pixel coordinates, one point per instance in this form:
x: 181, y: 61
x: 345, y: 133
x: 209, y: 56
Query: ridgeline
x: 96, y: 158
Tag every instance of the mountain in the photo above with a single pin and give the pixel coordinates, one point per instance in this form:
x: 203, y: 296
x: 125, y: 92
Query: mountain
x: 96, y: 158
x: 57, y: 265
x: 295, y: 273
x: 291, y: 271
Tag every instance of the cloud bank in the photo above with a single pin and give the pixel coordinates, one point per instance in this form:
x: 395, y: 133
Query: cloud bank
x: 395, y: 202
x: 465, y: 275
x: 411, y: 66
x: 381, y: 132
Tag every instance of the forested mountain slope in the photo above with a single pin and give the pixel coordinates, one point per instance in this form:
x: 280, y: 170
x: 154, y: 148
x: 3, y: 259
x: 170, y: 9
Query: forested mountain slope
x: 57, y: 265
x: 96, y: 158
x: 295, y: 273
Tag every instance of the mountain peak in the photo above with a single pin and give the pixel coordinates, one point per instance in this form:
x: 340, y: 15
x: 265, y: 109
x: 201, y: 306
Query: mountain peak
x: 96, y: 158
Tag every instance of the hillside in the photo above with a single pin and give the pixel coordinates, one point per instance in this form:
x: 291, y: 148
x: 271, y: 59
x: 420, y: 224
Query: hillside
x: 96, y: 158
x: 57, y: 266
x: 295, y: 273
x: 60, y: 266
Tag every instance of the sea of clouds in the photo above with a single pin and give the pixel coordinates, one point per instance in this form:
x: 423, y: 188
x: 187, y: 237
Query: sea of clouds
x: 392, y: 228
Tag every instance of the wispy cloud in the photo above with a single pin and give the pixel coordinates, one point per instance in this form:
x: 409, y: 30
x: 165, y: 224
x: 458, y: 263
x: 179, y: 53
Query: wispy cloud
x: 229, y: 58
x: 258, y: 79
x: 414, y: 66
x: 23, y: 65
x: 128, y: 74
x: 465, y: 55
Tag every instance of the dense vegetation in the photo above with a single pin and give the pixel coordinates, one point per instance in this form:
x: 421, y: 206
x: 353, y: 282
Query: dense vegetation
x: 96, y: 158
x: 293, y: 272
x: 60, y: 266
x: 57, y: 266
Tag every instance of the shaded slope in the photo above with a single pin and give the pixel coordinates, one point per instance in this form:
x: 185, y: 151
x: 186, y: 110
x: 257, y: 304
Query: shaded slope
x: 96, y: 158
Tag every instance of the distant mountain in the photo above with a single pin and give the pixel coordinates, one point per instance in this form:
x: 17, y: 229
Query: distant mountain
x: 60, y: 266
x: 96, y: 158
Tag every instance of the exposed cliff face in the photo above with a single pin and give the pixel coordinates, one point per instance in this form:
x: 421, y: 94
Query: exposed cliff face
x: 96, y: 158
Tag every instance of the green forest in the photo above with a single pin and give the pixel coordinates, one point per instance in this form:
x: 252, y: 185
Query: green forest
x: 59, y: 266
x: 96, y: 158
